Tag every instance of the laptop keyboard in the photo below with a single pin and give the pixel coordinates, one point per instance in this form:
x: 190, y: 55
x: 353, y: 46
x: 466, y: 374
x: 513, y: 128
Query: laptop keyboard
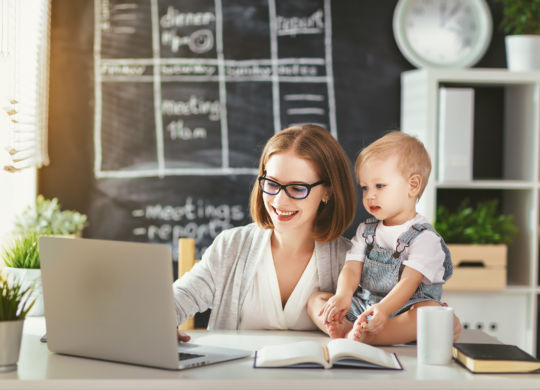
x: 184, y: 355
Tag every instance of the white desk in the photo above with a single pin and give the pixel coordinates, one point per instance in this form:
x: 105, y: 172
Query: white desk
x: 40, y: 369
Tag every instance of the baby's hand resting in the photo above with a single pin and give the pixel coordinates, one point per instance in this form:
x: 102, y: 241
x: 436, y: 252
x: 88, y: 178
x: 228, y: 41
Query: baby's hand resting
x: 335, y: 308
x: 377, y: 321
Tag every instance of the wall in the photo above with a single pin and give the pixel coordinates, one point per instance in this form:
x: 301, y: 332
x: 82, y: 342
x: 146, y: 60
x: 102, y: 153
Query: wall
x: 366, y: 68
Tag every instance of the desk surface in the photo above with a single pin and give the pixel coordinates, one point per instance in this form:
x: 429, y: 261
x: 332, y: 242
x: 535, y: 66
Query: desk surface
x: 41, y: 369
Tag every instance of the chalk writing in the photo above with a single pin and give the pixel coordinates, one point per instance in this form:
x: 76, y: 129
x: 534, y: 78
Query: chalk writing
x: 249, y: 70
x: 199, y: 41
x: 175, y: 18
x: 184, y: 63
x: 194, y: 106
x: 198, y: 220
x: 177, y: 130
x: 127, y: 70
x: 196, y: 69
x: 313, y: 24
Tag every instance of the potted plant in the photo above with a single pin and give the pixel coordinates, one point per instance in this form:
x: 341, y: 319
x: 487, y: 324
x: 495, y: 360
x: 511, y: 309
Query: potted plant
x: 15, y: 303
x: 521, y: 20
x: 21, y: 258
x: 47, y: 218
x: 478, y: 239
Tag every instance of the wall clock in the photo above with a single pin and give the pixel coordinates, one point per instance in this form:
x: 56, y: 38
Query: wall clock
x: 442, y: 33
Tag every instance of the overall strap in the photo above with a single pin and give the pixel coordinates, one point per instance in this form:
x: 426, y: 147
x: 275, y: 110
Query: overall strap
x: 369, y: 232
x: 406, y: 238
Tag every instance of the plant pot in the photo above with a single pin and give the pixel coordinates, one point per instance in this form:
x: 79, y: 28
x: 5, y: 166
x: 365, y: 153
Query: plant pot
x: 10, y: 342
x: 28, y: 277
x: 523, y: 52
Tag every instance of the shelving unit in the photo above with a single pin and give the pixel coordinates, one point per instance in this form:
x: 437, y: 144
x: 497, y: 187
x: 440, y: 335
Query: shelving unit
x: 507, y: 313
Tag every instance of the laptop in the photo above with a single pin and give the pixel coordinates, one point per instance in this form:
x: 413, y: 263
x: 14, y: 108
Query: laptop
x: 113, y: 300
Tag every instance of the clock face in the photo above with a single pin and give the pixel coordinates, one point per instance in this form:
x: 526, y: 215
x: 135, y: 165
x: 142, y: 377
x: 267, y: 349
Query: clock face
x: 442, y: 33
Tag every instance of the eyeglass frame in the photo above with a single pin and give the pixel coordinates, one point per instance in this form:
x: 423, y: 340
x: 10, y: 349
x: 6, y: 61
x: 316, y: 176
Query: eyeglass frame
x: 284, y: 187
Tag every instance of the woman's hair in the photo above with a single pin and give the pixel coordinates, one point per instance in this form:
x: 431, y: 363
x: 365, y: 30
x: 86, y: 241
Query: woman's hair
x: 316, y: 145
x: 413, y: 158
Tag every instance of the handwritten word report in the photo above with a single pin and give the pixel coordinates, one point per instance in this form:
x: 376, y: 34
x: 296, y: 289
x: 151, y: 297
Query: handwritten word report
x: 197, y: 87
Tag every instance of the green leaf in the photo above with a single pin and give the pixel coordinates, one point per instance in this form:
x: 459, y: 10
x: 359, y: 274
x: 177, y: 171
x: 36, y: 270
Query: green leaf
x: 23, y: 252
x: 15, y: 302
x: 481, y: 224
x: 520, y: 16
x: 46, y: 217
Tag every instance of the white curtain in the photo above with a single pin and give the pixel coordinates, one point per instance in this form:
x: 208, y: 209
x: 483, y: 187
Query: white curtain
x: 24, y: 80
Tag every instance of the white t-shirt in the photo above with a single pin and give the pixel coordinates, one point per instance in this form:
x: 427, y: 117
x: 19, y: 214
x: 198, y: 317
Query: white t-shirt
x: 262, y: 308
x: 424, y: 254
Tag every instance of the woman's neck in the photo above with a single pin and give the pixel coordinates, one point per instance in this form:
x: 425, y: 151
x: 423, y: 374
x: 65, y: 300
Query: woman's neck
x: 293, y: 243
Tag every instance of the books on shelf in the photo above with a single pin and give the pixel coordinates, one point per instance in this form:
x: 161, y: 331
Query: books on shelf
x: 337, y: 353
x: 494, y: 358
x: 456, y: 133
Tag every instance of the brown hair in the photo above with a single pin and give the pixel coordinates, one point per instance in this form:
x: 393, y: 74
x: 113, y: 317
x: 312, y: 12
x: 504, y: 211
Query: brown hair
x: 413, y: 156
x: 315, y: 144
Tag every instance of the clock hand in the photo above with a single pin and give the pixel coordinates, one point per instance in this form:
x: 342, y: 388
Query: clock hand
x: 445, y: 16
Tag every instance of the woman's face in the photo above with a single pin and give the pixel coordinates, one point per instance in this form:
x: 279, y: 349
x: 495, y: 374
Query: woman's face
x: 290, y: 214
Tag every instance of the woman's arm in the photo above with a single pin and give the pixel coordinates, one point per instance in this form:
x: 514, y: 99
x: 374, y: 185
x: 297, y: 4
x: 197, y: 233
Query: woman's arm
x: 337, y: 306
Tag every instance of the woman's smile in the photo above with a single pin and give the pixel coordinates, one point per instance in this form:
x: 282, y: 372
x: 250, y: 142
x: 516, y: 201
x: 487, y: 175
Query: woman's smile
x: 284, y: 215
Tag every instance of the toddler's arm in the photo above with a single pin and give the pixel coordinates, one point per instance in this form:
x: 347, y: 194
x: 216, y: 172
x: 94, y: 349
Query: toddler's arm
x: 397, y: 297
x: 337, y: 306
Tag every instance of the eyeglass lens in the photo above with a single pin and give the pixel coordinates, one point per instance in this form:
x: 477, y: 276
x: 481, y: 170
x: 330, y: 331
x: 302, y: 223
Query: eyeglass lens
x: 296, y: 191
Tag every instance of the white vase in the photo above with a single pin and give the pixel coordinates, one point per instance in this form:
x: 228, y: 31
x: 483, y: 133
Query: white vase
x: 523, y: 52
x: 10, y: 342
x: 29, y: 277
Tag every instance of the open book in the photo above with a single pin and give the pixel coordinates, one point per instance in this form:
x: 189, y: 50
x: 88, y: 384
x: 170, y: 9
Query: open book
x: 337, y: 353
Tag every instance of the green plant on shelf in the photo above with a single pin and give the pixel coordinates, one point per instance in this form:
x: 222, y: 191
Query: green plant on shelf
x: 15, y: 300
x: 46, y: 217
x: 479, y: 224
x: 521, y: 17
x: 23, y: 252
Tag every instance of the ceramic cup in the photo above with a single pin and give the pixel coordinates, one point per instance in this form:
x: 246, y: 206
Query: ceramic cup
x: 434, y: 334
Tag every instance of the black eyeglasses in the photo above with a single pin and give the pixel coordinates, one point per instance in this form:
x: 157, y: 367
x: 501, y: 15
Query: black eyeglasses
x: 294, y: 190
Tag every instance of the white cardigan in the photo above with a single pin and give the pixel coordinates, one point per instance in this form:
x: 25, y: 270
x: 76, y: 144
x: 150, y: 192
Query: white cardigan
x: 222, y: 279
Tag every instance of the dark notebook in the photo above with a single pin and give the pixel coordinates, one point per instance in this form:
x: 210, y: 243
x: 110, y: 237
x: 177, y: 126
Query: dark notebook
x: 494, y: 358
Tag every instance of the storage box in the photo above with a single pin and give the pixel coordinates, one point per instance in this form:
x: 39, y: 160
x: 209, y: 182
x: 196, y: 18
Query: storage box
x: 477, y: 267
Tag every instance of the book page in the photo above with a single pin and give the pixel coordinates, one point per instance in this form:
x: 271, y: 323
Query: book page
x: 291, y: 353
x: 344, y: 348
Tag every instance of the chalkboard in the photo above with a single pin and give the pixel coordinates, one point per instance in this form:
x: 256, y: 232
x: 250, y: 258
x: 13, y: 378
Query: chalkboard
x: 159, y: 109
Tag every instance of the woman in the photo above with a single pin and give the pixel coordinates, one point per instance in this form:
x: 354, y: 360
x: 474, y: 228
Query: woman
x: 260, y: 276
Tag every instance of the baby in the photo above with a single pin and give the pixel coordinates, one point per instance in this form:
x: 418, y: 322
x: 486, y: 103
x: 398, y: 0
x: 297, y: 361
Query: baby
x: 397, y: 262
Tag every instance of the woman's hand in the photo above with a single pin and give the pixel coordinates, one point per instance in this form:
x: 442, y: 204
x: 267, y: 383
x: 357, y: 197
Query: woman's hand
x: 182, y: 336
x: 335, y: 309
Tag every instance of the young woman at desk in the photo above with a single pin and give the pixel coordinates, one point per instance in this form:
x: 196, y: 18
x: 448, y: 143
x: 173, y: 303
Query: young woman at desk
x: 260, y: 276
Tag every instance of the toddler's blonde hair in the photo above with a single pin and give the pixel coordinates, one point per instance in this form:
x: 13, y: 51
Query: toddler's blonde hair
x: 413, y: 158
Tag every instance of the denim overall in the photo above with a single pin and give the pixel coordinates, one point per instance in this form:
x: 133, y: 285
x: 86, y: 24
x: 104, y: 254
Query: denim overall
x: 382, y: 271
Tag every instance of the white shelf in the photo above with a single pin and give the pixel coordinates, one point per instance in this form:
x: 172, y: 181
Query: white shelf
x: 515, y: 307
x: 489, y: 185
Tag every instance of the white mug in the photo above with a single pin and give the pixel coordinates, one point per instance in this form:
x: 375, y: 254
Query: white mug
x: 434, y: 334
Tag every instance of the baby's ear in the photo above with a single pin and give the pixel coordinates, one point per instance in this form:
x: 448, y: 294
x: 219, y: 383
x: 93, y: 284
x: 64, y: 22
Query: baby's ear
x: 415, y: 182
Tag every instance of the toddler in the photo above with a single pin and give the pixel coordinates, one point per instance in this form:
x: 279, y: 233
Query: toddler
x: 397, y: 262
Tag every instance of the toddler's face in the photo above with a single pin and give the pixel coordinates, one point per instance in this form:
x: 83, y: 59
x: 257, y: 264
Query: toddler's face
x: 386, y: 194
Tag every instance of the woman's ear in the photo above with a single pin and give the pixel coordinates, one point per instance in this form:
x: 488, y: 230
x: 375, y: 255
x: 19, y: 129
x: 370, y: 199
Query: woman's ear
x: 327, y: 195
x: 415, y: 183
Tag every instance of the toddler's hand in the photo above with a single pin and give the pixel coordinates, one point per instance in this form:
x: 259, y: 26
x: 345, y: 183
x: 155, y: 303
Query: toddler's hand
x: 377, y: 320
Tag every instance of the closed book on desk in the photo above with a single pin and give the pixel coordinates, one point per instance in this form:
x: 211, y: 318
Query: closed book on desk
x: 337, y: 353
x: 494, y: 358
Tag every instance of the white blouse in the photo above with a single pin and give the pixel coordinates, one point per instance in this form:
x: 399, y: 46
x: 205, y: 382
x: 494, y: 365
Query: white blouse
x: 262, y: 308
